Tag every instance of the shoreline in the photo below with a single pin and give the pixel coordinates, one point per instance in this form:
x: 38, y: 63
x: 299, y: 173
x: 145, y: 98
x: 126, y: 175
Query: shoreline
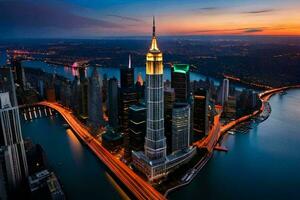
x: 264, y: 97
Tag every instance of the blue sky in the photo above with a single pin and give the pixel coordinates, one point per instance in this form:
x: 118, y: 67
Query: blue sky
x: 95, y: 18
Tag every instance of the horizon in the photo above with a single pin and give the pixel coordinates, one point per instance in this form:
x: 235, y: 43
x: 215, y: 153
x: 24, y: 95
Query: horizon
x: 92, y: 19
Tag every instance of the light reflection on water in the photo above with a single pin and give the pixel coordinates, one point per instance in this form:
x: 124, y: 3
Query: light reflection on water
x: 75, y: 145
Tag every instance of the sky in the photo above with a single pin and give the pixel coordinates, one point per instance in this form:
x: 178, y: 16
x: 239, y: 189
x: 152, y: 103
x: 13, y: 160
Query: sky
x: 97, y: 18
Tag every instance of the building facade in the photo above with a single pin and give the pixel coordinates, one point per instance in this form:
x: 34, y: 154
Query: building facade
x: 154, y: 162
x: 181, y: 126
x: 11, y: 140
x: 95, y: 101
x: 180, y: 81
x: 113, y: 103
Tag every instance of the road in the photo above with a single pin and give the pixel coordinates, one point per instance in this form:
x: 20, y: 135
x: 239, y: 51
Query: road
x: 138, y: 186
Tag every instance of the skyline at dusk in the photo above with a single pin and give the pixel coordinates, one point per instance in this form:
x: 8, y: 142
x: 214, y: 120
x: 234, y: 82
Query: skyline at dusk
x: 94, y: 19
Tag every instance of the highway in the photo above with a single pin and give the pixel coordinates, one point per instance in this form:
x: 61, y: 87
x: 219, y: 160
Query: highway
x: 138, y: 186
x: 216, y: 131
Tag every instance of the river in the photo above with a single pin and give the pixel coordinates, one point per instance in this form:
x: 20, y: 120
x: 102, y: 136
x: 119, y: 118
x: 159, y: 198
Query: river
x: 262, y: 163
x: 82, y: 174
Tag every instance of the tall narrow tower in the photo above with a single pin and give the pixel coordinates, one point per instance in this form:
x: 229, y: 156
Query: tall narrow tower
x: 155, y: 141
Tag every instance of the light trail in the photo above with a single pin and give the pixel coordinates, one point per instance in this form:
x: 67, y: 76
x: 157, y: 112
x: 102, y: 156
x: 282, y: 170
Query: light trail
x: 138, y: 186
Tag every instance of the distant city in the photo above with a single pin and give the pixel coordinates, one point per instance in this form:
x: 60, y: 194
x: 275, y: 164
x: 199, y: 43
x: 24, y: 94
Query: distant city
x: 168, y: 117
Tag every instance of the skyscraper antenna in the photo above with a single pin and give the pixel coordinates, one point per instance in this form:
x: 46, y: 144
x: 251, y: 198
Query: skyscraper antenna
x: 153, y: 28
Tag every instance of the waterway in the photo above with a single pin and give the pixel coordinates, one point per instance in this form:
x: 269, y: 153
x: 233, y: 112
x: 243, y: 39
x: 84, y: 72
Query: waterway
x: 82, y: 174
x: 262, y: 163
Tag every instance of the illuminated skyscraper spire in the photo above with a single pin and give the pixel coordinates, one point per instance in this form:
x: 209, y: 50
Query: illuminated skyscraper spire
x: 154, y: 47
x: 129, y: 62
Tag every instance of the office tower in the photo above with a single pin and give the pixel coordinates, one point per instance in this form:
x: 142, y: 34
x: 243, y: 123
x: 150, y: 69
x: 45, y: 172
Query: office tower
x: 200, y: 117
x: 140, y: 87
x: 19, y: 71
x: 7, y: 84
x: 41, y: 88
x: 82, y: 74
x: 154, y: 162
x: 113, y: 103
x: 65, y: 93
x: 95, y: 101
x: 11, y: 139
x: 104, y: 89
x: 127, y: 76
x: 83, y: 101
x: 137, y: 126
x: 128, y: 97
x: 155, y: 141
x: 180, y: 126
x: 224, y: 91
x: 169, y: 99
x: 180, y: 81
x: 75, y: 95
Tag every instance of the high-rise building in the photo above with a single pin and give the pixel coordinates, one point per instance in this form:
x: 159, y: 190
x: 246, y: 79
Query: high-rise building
x: 180, y: 126
x: 137, y: 126
x: 19, y: 71
x: 200, y: 116
x: 75, y: 99
x: 7, y: 84
x: 140, y: 87
x: 127, y: 76
x: 82, y: 73
x: 113, y: 103
x: 180, y: 81
x: 95, y: 101
x: 155, y: 141
x: 169, y: 100
x: 224, y: 91
x: 11, y: 139
x: 83, y: 101
x: 128, y: 97
x: 154, y: 162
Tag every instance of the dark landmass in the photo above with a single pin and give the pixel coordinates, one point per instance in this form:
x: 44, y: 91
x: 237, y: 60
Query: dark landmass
x: 271, y: 61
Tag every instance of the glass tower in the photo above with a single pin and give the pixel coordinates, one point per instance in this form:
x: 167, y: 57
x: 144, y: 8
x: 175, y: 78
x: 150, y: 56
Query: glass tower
x: 155, y: 141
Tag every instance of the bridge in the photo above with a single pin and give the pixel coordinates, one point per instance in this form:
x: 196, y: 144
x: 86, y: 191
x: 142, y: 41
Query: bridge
x: 30, y: 112
x: 138, y: 186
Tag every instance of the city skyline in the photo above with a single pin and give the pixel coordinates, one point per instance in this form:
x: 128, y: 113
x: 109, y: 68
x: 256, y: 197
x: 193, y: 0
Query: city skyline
x: 94, y: 19
x: 107, y: 115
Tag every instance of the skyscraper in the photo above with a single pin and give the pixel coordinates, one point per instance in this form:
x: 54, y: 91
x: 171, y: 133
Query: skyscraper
x: 169, y: 99
x: 19, y: 71
x: 180, y: 81
x: 7, y: 84
x: 180, y: 126
x: 113, y: 102
x: 137, y: 126
x: 127, y: 75
x: 154, y: 162
x: 95, y: 100
x: 201, y: 123
x: 128, y: 97
x: 224, y: 91
x: 11, y: 139
x: 155, y: 141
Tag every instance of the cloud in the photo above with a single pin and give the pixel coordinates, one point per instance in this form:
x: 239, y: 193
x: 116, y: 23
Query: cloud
x: 26, y: 15
x: 126, y: 18
x: 232, y: 31
x: 253, y: 30
x: 259, y: 11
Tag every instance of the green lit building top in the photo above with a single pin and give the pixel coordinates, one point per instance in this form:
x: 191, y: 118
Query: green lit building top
x: 181, y: 68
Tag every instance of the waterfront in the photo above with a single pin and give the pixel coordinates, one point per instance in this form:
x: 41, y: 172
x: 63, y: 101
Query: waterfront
x: 262, y: 163
x: 80, y: 172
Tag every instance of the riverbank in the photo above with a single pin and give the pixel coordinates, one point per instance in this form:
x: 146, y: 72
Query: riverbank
x: 264, y: 97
